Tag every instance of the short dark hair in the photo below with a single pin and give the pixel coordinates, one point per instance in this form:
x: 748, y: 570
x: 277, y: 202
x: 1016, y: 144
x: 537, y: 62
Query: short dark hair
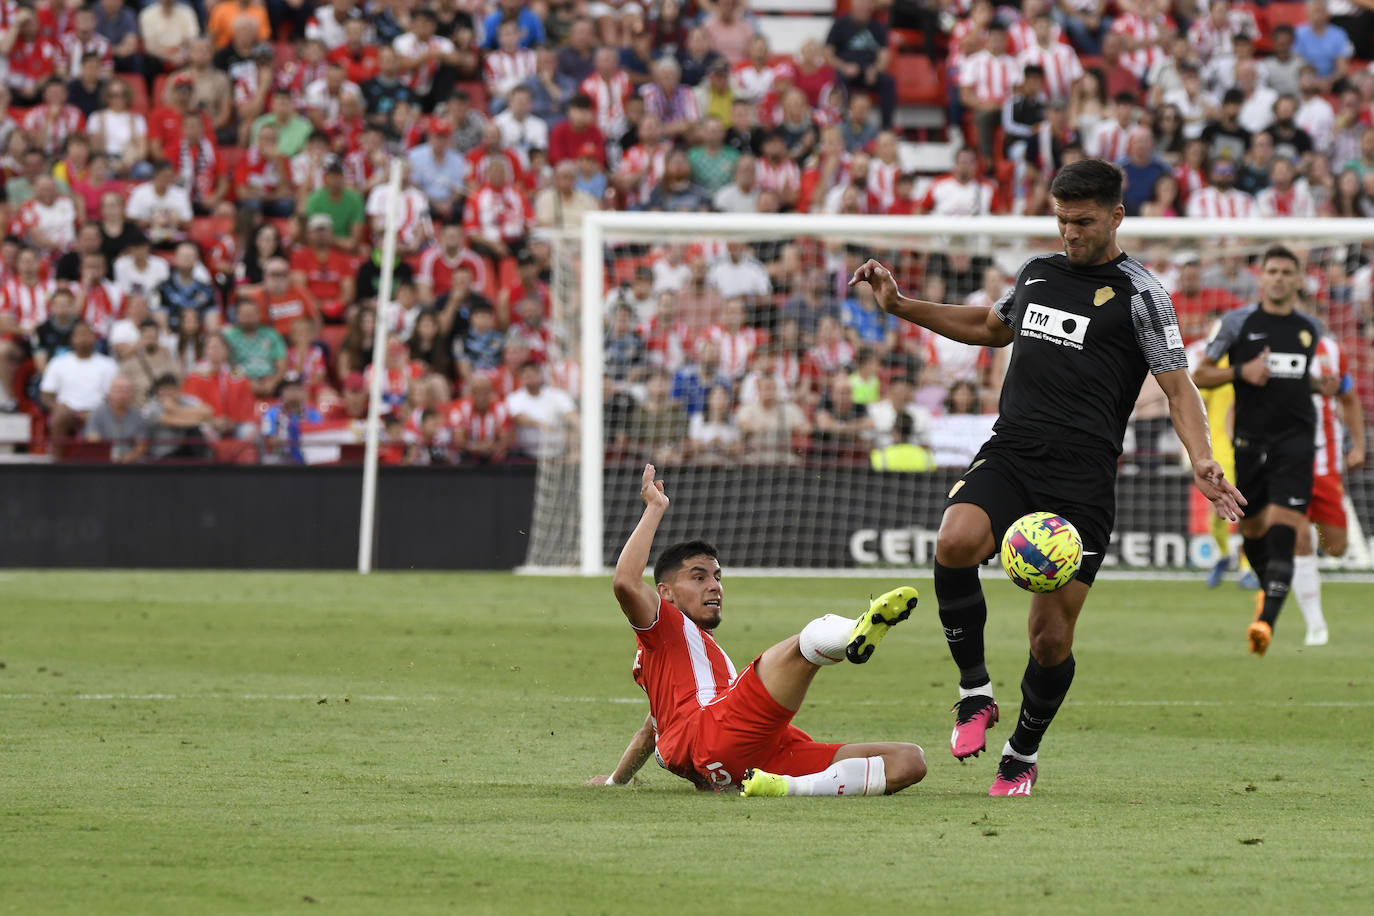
x: 1088, y: 179
x: 165, y: 380
x: 1280, y: 251
x: 581, y: 100
x: 1285, y: 29
x: 672, y: 558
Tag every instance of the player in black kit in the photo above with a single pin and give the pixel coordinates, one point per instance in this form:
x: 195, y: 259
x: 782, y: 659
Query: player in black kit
x: 1088, y: 324
x: 1271, y: 347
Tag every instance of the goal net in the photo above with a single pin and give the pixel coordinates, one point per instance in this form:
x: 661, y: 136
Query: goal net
x: 799, y: 428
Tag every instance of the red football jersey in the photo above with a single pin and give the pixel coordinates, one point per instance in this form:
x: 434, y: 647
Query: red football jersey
x: 681, y: 668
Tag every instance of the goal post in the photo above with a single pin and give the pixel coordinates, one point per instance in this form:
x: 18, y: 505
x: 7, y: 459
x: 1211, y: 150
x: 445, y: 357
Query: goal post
x: 842, y: 511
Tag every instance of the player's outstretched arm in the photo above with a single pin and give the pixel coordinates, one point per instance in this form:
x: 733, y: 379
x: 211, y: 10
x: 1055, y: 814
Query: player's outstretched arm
x: 637, y: 598
x: 640, y: 748
x: 1190, y: 422
x: 970, y: 324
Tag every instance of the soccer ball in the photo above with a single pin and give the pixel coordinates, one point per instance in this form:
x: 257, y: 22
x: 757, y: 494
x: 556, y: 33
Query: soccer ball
x: 1041, y: 552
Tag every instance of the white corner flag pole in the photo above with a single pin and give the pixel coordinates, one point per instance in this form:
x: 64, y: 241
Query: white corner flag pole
x: 367, y: 521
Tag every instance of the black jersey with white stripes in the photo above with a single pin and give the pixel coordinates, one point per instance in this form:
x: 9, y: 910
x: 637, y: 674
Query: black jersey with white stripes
x: 1282, y: 407
x: 1084, y: 339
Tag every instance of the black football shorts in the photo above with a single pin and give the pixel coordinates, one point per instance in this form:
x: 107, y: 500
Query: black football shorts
x: 1277, y: 472
x: 1009, y: 479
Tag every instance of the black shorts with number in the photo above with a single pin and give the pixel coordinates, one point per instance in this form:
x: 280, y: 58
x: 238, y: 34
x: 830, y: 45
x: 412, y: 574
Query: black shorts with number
x: 1277, y: 472
x: 1009, y: 479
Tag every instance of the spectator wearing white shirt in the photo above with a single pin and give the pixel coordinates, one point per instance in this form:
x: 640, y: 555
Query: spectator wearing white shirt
x: 160, y: 208
x: 739, y: 275
x: 1287, y: 195
x: 74, y: 384
x: 520, y: 129
x: 325, y: 95
x: 1257, y: 111
x: 137, y: 271
x: 118, y: 131
x: 884, y: 414
x: 544, y: 416
x: 48, y: 219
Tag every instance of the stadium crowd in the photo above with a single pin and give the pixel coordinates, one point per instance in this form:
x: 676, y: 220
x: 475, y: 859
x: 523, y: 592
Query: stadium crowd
x: 192, y: 194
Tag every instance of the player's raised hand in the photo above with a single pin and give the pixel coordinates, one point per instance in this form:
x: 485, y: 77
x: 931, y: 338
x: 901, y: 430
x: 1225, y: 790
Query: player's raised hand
x: 1226, y: 500
x: 1256, y: 371
x: 881, y: 279
x: 651, y: 491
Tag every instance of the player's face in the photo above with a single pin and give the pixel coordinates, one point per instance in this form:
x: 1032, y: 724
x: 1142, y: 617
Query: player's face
x: 1279, y: 280
x: 697, y: 592
x: 1088, y: 230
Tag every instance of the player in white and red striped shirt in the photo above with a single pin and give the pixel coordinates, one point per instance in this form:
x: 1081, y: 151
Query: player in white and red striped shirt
x: 84, y: 41
x: 722, y: 731
x: 24, y: 295
x: 608, y: 87
x: 883, y: 170
x: 100, y: 300
x: 986, y: 79
x: 1219, y: 199
x: 774, y: 171
x: 1213, y: 36
x: 667, y: 337
x: 1059, y: 61
x: 1326, y: 509
x: 414, y: 229
x: 498, y: 215
x: 509, y: 65
x: 1144, y: 32
x: 481, y: 424
x: 1110, y: 137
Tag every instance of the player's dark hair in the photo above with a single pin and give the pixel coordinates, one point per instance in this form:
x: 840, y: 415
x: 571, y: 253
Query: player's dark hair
x: 1088, y: 179
x: 1280, y: 251
x: 672, y: 558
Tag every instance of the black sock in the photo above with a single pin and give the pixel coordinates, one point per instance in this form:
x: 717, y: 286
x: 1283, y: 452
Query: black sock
x: 1257, y: 552
x: 1278, y: 572
x: 1042, y: 690
x: 963, y: 611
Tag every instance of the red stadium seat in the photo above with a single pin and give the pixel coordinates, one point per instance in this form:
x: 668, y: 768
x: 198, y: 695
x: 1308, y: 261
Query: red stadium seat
x: 332, y: 336
x: 476, y: 91
x: 918, y: 82
x: 160, y: 88
x: 138, y: 94
x: 1294, y: 14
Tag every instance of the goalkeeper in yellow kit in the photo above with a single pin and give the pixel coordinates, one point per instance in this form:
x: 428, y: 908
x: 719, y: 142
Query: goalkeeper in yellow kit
x: 1219, y: 403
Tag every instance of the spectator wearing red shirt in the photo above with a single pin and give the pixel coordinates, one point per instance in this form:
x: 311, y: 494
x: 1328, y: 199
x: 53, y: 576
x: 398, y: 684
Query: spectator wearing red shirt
x: 498, y: 216
x: 225, y: 390
x: 358, y: 58
x: 568, y: 137
x: 263, y: 178
x: 34, y: 58
x: 281, y: 301
x: 481, y: 425
x: 434, y: 278
x: 50, y: 124
x: 164, y: 123
x: 490, y: 149
x: 323, y: 269
x: 1197, y: 305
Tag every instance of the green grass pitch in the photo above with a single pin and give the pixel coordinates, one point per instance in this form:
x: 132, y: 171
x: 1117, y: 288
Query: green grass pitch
x: 178, y: 743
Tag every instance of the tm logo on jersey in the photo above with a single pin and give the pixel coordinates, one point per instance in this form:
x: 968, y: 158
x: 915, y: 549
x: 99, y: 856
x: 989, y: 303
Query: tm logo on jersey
x: 1063, y: 329
x: 1287, y: 365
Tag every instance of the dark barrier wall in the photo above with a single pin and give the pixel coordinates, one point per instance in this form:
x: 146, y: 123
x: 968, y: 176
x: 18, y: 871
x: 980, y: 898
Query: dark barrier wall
x: 260, y: 517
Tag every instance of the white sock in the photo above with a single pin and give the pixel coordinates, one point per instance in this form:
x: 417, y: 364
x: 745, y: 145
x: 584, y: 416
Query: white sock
x: 1024, y: 758
x: 823, y: 639
x: 852, y: 776
x: 1307, y: 588
x: 983, y: 691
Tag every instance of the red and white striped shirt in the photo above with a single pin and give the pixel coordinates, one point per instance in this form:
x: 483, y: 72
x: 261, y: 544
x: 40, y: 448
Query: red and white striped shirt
x: 407, y: 46
x: 777, y: 176
x: 31, y: 63
x: 436, y: 269
x: 361, y: 171
x: 1145, y: 31
x: 1211, y: 202
x: 27, y: 305
x: 1296, y: 201
x: 668, y: 346
x: 103, y: 305
x: 75, y: 50
x: 51, y: 129
x: 1190, y: 181
x: 991, y: 78
x: 1021, y: 36
x: 1328, y: 361
x: 1109, y: 141
x: 477, y: 425
x: 266, y: 173
x: 753, y: 83
x: 736, y: 348
x: 1212, y: 42
x: 412, y: 211
x: 648, y: 164
x: 608, y: 100
x: 477, y: 165
x: 498, y: 213
x: 957, y: 37
x: 832, y: 357
x: 1061, y: 65
x: 503, y: 70
x: 681, y: 668
x: 57, y: 222
x: 882, y: 181
x: 947, y: 196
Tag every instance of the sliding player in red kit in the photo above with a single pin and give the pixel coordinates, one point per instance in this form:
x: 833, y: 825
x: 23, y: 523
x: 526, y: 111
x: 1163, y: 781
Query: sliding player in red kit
x: 734, y: 732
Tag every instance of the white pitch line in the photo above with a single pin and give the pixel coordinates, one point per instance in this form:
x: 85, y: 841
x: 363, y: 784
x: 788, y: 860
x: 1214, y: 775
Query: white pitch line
x: 283, y: 697
x: 1339, y: 704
